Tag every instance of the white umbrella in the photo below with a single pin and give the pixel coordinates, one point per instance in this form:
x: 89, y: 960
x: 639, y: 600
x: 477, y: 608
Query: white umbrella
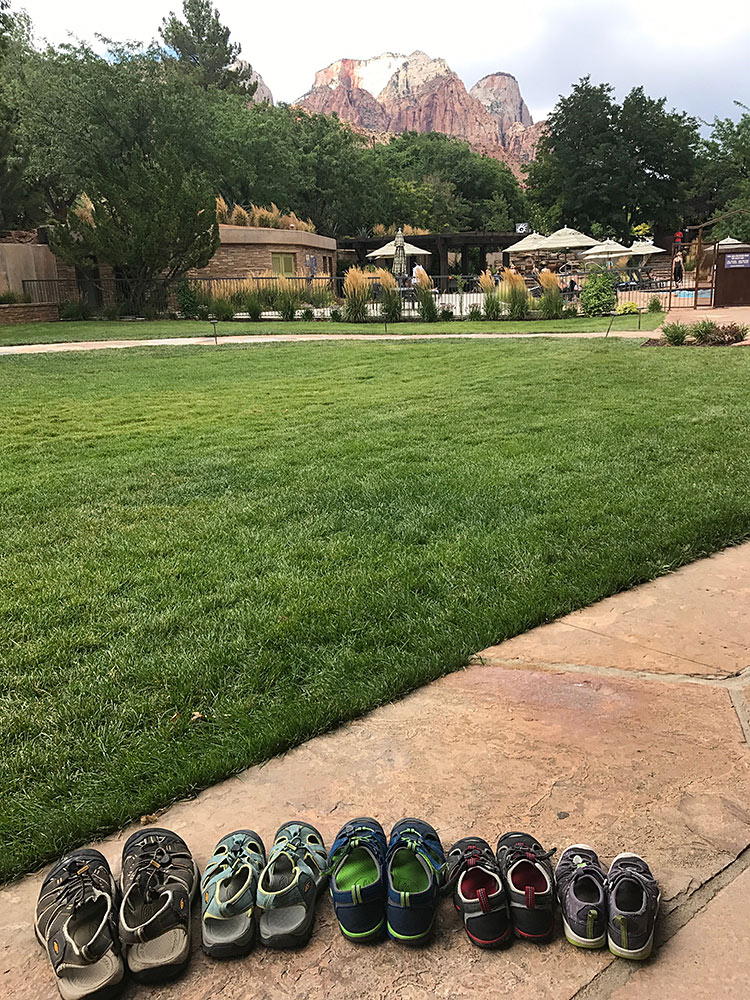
x: 644, y: 249
x: 609, y: 248
x: 568, y: 239
x: 528, y: 244
x: 389, y: 250
x: 728, y: 243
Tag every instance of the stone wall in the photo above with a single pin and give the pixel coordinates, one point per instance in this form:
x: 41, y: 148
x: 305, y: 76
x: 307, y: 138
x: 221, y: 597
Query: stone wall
x: 25, y: 261
x: 235, y: 260
x: 28, y: 312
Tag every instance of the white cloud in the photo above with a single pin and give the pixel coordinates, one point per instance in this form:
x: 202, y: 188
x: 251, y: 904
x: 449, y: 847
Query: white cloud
x: 693, y: 53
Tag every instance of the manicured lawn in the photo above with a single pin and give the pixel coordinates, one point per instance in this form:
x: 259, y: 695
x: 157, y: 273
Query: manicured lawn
x: 53, y: 333
x: 281, y: 539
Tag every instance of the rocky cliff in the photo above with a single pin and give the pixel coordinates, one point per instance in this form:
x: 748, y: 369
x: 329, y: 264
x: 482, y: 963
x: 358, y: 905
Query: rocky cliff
x: 501, y: 96
x: 394, y: 93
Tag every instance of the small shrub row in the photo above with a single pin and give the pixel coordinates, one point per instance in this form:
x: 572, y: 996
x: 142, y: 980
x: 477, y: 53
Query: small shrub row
x: 705, y: 332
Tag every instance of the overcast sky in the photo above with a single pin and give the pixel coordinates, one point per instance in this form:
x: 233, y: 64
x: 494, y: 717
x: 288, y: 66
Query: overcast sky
x: 694, y: 52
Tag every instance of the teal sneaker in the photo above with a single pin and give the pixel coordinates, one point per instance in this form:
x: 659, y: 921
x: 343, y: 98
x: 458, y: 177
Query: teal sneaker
x: 290, y: 884
x: 228, y: 890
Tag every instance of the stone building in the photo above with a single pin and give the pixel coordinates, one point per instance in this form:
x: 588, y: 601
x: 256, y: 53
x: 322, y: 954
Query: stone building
x: 256, y: 251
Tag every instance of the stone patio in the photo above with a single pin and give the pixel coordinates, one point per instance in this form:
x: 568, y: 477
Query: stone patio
x: 625, y: 725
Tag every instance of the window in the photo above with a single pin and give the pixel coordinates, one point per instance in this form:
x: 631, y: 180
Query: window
x: 284, y: 263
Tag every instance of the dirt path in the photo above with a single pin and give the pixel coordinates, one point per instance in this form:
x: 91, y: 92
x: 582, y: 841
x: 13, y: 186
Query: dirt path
x: 298, y: 338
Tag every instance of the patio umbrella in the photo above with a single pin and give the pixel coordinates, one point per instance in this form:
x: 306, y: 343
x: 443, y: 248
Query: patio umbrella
x: 644, y: 249
x: 390, y: 249
x: 568, y: 239
x: 609, y: 249
x: 528, y: 244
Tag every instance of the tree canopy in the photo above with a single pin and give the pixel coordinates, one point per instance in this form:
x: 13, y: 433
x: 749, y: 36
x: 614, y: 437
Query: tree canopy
x: 202, y: 48
x: 610, y: 167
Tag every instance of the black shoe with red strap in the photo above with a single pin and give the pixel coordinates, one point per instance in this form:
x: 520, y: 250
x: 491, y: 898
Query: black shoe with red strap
x: 529, y: 883
x: 478, y: 893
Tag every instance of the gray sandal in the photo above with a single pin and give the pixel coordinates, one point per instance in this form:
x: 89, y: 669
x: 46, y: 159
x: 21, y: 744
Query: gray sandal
x: 290, y: 884
x: 228, y: 891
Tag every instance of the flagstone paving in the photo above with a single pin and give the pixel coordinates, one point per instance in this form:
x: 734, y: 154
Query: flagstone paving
x: 638, y: 741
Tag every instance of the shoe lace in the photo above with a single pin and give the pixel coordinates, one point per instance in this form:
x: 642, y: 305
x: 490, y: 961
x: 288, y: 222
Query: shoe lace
x: 471, y: 855
x: 414, y: 841
x: 521, y: 850
x: 77, y: 886
x: 361, y: 836
x: 151, y: 869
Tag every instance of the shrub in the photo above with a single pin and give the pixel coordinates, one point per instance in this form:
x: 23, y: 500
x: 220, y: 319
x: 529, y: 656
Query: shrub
x: 703, y: 330
x: 202, y: 311
x: 654, y: 304
x: 285, y: 294
x: 627, y: 309
x: 446, y: 314
x: 318, y: 293
x: 357, y: 292
x: 112, y: 312
x: 253, y: 307
x: 598, y: 295
x: 514, y: 293
x: 730, y: 333
x: 10, y: 298
x: 223, y: 310
x: 148, y: 311
x: 335, y: 315
x: 308, y: 314
x: 570, y: 312
x: 675, y: 333
x: 492, y: 302
x: 475, y: 314
x: 75, y: 309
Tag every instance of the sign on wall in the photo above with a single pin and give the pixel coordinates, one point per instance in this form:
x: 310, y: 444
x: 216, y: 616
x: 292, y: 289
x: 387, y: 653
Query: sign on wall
x: 737, y: 260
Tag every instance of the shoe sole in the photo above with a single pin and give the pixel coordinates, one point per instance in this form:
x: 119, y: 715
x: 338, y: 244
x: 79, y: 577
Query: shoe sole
x: 300, y: 938
x: 231, y: 949
x: 581, y: 942
x: 637, y: 955
x: 412, y: 941
x: 362, y: 937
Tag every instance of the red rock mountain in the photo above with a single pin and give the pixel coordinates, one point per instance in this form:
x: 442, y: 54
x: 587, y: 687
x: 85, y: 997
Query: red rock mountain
x: 394, y: 93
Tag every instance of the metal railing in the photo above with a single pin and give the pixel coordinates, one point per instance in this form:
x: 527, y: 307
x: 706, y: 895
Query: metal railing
x: 458, y: 293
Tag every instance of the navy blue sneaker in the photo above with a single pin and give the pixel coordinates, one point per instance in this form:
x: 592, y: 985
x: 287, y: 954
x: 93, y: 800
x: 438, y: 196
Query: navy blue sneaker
x: 358, y: 890
x: 415, y: 869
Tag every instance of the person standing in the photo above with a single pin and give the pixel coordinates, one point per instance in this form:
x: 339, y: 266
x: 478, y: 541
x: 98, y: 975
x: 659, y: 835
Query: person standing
x: 678, y: 269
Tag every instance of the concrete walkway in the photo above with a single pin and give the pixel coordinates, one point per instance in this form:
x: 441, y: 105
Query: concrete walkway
x: 298, y: 338
x: 625, y: 725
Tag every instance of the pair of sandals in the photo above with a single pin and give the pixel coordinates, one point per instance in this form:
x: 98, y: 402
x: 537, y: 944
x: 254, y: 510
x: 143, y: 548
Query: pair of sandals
x: 244, y: 895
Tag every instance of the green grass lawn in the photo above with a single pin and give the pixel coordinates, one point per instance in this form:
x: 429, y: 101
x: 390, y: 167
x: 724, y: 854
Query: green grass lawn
x: 281, y: 539
x: 55, y: 333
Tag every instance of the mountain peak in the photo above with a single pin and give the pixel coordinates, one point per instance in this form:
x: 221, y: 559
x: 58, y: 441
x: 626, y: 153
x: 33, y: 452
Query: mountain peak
x: 393, y: 93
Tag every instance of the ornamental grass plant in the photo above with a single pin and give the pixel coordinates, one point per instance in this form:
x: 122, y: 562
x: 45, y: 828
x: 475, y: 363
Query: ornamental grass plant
x: 357, y: 294
x: 390, y: 297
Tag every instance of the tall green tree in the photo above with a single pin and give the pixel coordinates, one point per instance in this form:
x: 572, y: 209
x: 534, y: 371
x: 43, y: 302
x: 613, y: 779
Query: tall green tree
x: 203, y: 50
x: 19, y: 205
x: 121, y: 155
x: 723, y: 181
x: 465, y: 190
x: 609, y: 166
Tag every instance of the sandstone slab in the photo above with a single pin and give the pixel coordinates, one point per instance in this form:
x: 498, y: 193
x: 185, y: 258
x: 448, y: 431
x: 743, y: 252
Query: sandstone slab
x: 709, y: 958
x: 619, y: 762
x: 692, y: 622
